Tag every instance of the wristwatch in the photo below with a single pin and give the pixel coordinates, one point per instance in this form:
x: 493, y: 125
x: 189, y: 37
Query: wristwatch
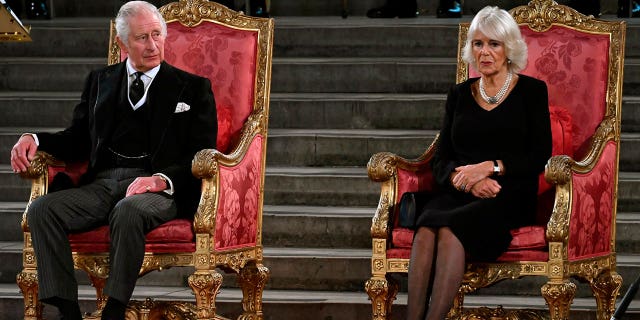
x: 496, y: 168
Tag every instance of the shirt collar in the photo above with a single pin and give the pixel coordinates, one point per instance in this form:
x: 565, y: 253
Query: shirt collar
x: 150, y: 73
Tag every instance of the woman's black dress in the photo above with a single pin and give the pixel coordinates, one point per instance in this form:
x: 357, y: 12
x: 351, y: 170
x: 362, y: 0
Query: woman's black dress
x: 518, y: 132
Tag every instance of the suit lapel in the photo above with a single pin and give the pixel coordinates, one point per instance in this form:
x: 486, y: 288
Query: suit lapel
x: 109, y: 84
x: 162, y: 97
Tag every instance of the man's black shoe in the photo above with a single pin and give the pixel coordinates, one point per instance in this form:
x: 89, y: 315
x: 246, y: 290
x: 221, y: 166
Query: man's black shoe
x: 391, y: 11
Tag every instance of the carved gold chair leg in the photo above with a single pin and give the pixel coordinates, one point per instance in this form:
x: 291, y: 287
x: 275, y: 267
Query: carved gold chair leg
x: 559, y: 296
x: 605, y: 288
x: 98, y: 283
x: 252, y: 279
x: 458, y: 303
x: 28, y: 282
x: 382, y: 292
x: 205, y: 285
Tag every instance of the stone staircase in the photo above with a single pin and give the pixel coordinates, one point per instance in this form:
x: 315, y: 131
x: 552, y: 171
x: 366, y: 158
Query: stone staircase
x: 342, y: 89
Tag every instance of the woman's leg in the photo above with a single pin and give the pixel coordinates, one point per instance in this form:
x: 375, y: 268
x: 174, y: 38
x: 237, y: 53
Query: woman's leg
x: 420, y: 265
x: 450, y: 265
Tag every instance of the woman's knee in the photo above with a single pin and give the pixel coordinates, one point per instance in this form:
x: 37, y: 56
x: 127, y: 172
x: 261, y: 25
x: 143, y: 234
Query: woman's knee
x: 424, y: 234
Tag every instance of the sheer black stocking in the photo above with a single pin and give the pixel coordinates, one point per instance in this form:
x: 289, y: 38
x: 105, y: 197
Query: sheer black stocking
x: 449, y: 271
x: 420, y: 266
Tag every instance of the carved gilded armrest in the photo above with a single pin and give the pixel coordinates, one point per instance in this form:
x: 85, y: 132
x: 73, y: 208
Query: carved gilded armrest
x: 397, y: 175
x: 38, y: 173
x: 585, y: 204
x: 232, y: 183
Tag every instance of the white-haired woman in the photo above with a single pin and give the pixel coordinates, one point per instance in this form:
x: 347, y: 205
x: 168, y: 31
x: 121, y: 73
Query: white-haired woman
x: 495, y: 141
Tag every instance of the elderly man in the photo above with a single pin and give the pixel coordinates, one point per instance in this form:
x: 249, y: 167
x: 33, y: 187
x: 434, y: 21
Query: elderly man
x: 138, y: 124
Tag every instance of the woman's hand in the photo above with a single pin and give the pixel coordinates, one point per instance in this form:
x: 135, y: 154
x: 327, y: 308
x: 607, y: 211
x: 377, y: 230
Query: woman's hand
x: 486, y: 188
x: 465, y: 177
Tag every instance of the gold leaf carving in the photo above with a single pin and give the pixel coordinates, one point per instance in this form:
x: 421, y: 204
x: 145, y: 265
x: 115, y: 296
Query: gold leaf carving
x: 499, y: 313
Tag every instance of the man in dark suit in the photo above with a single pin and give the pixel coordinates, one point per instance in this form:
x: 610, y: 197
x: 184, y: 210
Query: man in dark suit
x: 139, y: 123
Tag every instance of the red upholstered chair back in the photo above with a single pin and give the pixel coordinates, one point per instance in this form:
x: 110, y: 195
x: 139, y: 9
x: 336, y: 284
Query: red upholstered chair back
x: 574, y: 64
x: 225, y: 55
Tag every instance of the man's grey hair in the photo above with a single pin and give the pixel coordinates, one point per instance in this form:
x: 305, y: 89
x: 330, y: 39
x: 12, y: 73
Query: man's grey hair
x: 498, y: 24
x: 132, y: 9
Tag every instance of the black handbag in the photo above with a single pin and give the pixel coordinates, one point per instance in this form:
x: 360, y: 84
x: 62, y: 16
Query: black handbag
x: 411, y: 204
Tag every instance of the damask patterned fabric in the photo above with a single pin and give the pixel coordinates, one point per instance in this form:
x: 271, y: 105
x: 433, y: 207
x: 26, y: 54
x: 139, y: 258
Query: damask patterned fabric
x: 590, y: 230
x: 227, y: 57
x: 237, y: 215
x: 562, y: 139
x: 409, y: 181
x: 575, y: 69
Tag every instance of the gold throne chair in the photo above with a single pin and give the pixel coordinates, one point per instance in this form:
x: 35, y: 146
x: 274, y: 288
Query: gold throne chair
x: 581, y: 59
x: 234, y: 51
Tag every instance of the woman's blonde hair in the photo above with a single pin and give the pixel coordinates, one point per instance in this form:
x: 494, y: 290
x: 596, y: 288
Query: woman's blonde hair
x: 498, y: 24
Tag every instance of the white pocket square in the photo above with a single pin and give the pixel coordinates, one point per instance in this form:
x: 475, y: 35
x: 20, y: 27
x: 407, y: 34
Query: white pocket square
x: 182, y: 107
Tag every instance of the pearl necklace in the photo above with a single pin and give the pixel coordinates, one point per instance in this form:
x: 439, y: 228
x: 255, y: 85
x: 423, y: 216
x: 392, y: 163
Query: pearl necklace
x: 495, y: 99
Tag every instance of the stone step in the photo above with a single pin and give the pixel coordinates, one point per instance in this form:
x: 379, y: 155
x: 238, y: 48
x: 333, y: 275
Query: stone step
x: 360, y: 37
x: 287, y: 110
x: 343, y: 147
x: 295, y: 304
x: 355, y: 75
x: 332, y: 269
x: 11, y: 217
x: 63, y: 8
x: 354, y: 147
x: 322, y: 226
x: 331, y: 36
x: 285, y: 226
x: 323, y: 186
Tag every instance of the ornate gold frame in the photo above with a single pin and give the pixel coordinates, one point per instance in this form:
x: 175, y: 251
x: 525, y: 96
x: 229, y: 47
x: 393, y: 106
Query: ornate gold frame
x: 599, y: 272
x: 206, y: 280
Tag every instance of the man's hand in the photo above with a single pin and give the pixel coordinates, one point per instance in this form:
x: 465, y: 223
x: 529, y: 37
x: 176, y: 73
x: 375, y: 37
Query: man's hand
x: 486, y: 188
x: 146, y: 184
x: 23, y: 153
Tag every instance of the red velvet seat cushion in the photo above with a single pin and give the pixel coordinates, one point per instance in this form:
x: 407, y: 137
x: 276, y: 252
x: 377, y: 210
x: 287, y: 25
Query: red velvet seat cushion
x: 173, y: 236
x: 524, y: 238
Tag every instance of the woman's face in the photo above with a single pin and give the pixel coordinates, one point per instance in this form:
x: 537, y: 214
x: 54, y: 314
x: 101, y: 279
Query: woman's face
x: 489, y: 54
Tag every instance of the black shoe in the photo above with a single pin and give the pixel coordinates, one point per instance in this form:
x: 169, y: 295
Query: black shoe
x: 454, y: 10
x: 113, y: 310
x: 69, y: 310
x: 391, y: 11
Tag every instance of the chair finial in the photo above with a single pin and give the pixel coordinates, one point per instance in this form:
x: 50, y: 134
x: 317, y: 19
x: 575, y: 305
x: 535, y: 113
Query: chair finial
x: 541, y: 14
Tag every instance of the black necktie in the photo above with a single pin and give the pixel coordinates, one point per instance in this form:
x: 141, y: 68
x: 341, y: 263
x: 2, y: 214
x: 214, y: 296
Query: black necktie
x: 137, y: 88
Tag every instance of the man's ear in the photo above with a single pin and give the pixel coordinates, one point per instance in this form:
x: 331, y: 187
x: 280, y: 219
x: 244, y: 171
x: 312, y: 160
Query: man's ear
x: 121, y: 44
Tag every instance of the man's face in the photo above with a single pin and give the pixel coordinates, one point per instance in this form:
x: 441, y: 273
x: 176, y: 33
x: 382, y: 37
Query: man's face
x: 145, y: 45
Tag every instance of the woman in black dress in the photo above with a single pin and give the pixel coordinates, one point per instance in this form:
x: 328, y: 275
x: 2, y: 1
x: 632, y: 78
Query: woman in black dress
x: 494, y: 143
